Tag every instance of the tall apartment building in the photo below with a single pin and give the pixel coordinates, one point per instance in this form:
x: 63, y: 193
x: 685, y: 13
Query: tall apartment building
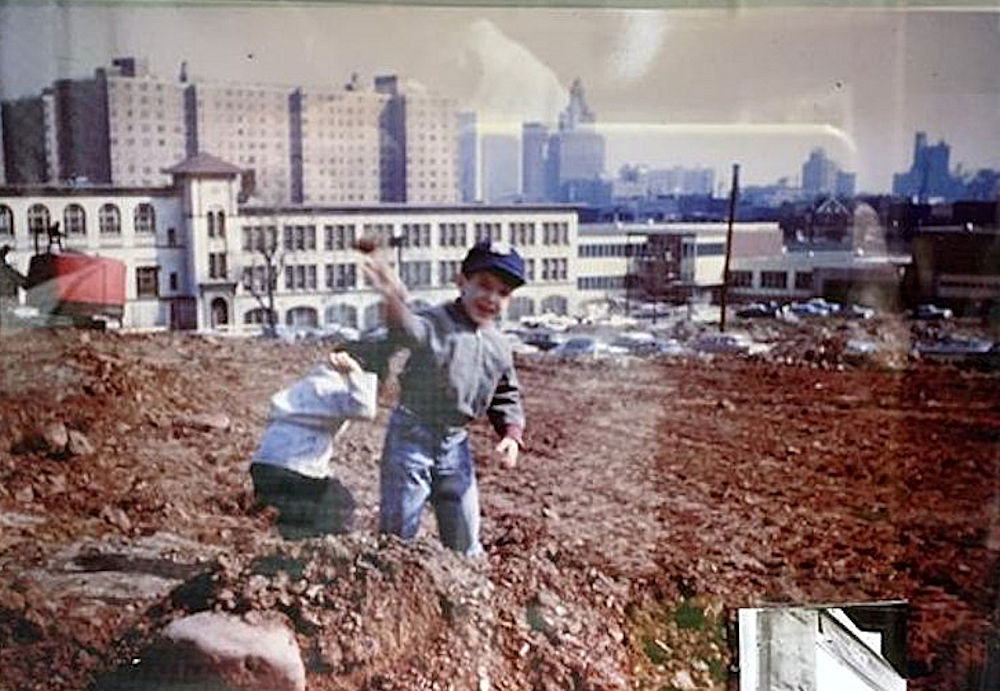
x: 431, y: 149
x: 306, y: 145
x: 534, y: 139
x: 468, y: 158
x: 246, y: 124
x: 335, y: 144
x: 23, y: 149
x: 145, y: 123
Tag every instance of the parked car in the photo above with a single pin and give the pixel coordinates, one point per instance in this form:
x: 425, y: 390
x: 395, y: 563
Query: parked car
x: 759, y: 310
x: 954, y: 348
x: 723, y: 343
x: 517, y: 344
x: 807, y: 309
x: 543, y: 339
x: 636, y: 342
x: 929, y: 312
x: 671, y: 347
x: 586, y: 347
x: 853, y: 311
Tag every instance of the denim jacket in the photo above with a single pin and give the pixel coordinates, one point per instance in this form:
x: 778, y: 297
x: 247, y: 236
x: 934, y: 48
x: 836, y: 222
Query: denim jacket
x: 457, y: 371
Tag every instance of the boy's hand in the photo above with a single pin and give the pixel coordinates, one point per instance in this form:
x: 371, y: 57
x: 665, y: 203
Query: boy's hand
x: 344, y: 363
x: 507, y: 451
x: 383, y: 278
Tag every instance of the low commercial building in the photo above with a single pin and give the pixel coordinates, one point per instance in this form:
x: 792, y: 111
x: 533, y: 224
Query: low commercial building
x: 196, y: 256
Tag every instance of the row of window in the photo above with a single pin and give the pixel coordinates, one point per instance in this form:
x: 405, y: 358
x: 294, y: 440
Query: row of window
x: 609, y: 250
x: 342, y: 236
x: 74, y: 219
x: 601, y: 283
x: 414, y: 274
x: 771, y: 279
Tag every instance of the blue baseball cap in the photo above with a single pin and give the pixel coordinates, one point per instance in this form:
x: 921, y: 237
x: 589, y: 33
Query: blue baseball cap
x: 498, y: 258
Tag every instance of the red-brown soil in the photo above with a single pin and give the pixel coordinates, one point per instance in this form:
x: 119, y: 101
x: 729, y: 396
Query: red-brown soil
x: 650, y: 490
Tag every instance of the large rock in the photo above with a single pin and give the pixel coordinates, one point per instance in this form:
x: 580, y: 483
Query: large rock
x: 205, y: 422
x: 78, y: 444
x: 55, y: 436
x: 210, y: 650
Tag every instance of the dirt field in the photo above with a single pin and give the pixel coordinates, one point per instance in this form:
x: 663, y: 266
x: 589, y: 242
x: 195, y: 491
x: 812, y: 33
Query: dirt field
x: 656, y: 498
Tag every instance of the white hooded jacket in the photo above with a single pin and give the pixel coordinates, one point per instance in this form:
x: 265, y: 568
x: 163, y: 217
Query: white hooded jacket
x: 306, y: 417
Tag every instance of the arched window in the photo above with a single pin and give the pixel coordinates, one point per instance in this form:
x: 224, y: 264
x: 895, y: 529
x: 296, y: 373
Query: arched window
x: 6, y: 220
x: 375, y: 315
x: 74, y: 220
x: 145, y: 218
x: 258, y: 315
x: 301, y: 316
x: 220, y: 312
x: 344, y: 315
x: 38, y: 218
x: 109, y: 220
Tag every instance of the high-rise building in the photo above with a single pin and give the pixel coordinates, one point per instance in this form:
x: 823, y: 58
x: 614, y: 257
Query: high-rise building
x: 576, y: 152
x: 23, y: 147
x: 306, y: 145
x: 468, y: 158
x: 928, y: 176
x: 819, y: 173
x: 247, y: 125
x: 145, y: 123
x: 392, y: 140
x: 337, y: 132
x: 499, y: 171
x: 534, y: 147
x: 431, y: 149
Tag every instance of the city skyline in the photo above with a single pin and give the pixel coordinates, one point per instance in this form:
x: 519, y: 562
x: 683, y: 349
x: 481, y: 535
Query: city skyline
x: 858, y: 83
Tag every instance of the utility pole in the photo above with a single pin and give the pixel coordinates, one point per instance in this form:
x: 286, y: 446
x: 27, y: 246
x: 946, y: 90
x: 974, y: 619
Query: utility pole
x: 733, y: 193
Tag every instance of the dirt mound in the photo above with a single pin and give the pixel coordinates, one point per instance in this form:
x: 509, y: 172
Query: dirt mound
x: 653, y: 501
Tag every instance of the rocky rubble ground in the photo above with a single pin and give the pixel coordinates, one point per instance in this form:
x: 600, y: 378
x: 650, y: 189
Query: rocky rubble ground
x: 654, y: 501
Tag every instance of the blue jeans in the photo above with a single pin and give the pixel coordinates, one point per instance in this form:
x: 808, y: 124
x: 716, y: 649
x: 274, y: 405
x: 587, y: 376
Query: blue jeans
x: 420, y: 462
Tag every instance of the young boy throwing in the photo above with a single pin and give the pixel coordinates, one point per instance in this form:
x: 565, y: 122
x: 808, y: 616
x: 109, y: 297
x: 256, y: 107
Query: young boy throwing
x: 460, y: 367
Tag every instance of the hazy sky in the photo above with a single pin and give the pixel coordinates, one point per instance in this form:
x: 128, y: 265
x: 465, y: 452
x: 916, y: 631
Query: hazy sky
x: 759, y: 87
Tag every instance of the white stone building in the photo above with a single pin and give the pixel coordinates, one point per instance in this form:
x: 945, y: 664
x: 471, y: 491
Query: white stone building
x: 191, y: 250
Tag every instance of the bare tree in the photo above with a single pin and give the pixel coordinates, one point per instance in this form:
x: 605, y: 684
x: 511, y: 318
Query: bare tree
x: 261, y: 279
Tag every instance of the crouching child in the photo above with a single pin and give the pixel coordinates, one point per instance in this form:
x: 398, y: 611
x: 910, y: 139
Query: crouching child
x: 291, y: 468
x: 460, y: 368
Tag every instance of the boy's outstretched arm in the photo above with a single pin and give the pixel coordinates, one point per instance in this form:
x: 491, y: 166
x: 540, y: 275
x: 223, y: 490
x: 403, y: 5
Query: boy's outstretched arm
x: 398, y: 315
x: 507, y: 416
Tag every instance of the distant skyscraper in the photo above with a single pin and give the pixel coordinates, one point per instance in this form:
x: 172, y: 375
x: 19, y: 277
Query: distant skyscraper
x: 576, y: 152
x: 468, y: 157
x: 145, y: 127
x: 335, y: 136
x: 23, y: 150
x: 247, y: 125
x: 819, y: 174
x: 928, y: 176
x: 419, y: 145
x: 534, y: 145
x: 845, y: 184
x: 500, y: 175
